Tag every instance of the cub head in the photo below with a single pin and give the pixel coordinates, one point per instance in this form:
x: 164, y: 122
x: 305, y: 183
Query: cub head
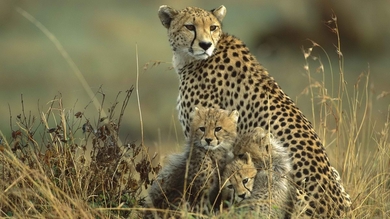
x: 239, y: 177
x: 266, y: 151
x: 193, y: 31
x: 212, y: 128
x: 256, y: 143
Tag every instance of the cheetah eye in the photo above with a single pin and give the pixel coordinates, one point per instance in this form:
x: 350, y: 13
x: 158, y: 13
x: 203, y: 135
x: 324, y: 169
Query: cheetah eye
x: 213, y: 27
x: 202, y: 129
x: 230, y: 186
x: 190, y: 27
x: 245, y: 181
x: 218, y: 129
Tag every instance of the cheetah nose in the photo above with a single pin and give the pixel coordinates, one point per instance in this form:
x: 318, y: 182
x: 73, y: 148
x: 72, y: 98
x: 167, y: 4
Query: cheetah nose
x: 242, y: 196
x: 208, y: 140
x: 205, y: 45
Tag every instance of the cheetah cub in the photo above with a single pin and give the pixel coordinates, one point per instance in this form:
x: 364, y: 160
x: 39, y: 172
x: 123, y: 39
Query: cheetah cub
x: 191, y: 179
x: 272, y: 191
x: 238, y: 179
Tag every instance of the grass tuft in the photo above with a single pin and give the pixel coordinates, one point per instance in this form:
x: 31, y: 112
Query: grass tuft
x: 63, y: 165
x: 343, y: 116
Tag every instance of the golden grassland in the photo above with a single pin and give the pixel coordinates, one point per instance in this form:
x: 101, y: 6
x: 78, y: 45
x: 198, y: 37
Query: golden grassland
x: 62, y: 164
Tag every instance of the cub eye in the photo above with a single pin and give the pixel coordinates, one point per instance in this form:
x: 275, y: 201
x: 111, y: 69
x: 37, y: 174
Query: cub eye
x: 230, y: 186
x: 213, y: 27
x: 245, y: 181
x: 218, y: 129
x: 202, y: 129
x: 190, y: 27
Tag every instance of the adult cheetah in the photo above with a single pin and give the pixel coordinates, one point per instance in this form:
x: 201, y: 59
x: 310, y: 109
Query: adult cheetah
x: 217, y: 70
x: 192, y: 178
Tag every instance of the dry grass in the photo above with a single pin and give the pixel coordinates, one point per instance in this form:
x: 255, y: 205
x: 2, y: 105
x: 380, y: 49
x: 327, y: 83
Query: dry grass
x: 62, y: 164
x: 357, y: 145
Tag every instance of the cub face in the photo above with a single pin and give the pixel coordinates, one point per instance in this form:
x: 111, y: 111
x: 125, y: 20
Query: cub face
x: 239, y: 177
x: 193, y: 31
x: 213, y: 128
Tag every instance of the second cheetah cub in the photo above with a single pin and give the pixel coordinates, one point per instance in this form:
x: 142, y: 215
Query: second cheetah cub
x: 238, y: 179
x: 191, y: 179
x: 272, y: 191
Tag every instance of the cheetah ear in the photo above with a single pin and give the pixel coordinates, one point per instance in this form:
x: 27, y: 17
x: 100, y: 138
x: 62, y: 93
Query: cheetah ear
x: 234, y: 115
x: 194, y: 112
x: 166, y: 14
x: 247, y: 158
x: 196, y: 109
x: 258, y: 134
x: 219, y: 12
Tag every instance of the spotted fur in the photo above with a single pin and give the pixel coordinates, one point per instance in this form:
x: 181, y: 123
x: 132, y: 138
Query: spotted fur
x: 229, y: 77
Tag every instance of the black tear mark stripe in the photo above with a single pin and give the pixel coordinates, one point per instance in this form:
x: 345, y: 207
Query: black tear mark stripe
x: 247, y: 188
x: 242, y: 181
x: 193, y: 40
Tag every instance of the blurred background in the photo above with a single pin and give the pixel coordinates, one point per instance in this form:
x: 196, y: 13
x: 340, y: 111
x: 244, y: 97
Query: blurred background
x: 101, y: 38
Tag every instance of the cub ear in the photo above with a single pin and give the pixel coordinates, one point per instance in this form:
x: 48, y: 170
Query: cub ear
x: 219, y: 12
x: 234, y: 115
x: 166, y: 14
x: 194, y: 112
x: 246, y: 157
x: 258, y: 134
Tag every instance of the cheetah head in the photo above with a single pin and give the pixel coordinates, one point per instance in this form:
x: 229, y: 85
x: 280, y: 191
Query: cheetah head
x: 266, y: 151
x: 239, y: 177
x: 193, y: 32
x: 214, y: 128
x: 256, y: 143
